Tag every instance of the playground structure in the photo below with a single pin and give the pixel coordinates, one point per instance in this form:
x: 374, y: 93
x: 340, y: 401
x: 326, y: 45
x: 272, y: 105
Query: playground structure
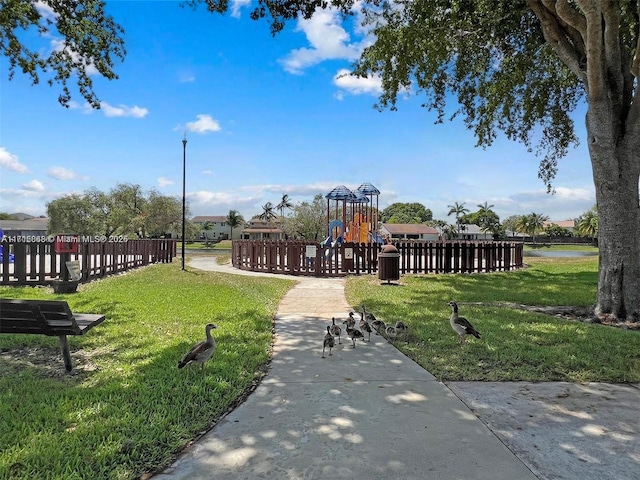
x: 352, y: 217
x: 353, y: 246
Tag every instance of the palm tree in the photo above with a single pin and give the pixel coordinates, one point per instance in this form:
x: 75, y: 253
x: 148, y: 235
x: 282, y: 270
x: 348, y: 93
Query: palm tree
x: 485, y: 212
x: 234, y: 219
x: 587, y: 223
x: 531, y: 224
x: 284, y: 203
x: 206, y: 226
x: 458, y: 209
x: 267, y: 212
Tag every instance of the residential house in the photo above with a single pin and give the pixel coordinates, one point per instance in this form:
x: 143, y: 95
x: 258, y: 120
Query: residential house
x: 261, y: 230
x: 470, y: 231
x: 409, y: 231
x: 29, y: 227
x: 220, y: 229
x: 568, y: 224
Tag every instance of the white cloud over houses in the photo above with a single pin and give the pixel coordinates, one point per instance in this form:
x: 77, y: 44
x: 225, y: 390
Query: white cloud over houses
x: 356, y: 85
x: 328, y: 41
x: 61, y: 173
x: 10, y: 161
x: 204, y: 123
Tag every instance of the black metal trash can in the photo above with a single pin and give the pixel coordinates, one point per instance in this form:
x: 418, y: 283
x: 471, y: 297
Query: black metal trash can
x: 388, y: 263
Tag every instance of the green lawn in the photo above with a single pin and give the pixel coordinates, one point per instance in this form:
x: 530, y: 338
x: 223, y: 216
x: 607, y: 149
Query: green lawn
x: 516, y: 345
x: 128, y: 409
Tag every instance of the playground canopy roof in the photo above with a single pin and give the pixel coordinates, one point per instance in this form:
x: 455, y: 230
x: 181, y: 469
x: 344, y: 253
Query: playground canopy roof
x: 368, y: 189
x: 341, y: 193
x: 360, y: 198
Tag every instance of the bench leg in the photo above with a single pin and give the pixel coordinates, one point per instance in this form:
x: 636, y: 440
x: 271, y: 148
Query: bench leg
x: 66, y: 354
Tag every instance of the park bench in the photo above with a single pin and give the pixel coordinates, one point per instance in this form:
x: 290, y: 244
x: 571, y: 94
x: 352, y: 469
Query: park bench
x: 46, y: 317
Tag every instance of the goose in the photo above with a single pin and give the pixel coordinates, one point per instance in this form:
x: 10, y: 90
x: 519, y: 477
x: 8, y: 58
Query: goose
x: 368, y: 315
x: 335, y: 329
x: 365, y: 327
x: 201, y: 351
x: 378, y: 325
x: 461, y: 325
x: 401, y: 326
x: 329, y: 341
x: 391, y: 331
x: 350, y: 322
x: 354, y: 334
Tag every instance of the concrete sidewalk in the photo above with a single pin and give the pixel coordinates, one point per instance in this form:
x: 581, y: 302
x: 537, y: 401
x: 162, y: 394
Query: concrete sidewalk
x: 371, y: 413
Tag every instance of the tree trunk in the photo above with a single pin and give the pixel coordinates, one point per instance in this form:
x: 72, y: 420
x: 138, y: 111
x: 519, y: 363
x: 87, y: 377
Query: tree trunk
x: 615, y: 158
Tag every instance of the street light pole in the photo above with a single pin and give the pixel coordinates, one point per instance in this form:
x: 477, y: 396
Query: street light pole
x: 184, y: 175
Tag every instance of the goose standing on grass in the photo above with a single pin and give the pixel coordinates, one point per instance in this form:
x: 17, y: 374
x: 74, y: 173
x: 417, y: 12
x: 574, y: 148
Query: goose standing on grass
x: 401, y: 327
x: 201, y: 351
x: 461, y: 325
x: 329, y: 341
x: 391, y: 331
x: 336, y: 331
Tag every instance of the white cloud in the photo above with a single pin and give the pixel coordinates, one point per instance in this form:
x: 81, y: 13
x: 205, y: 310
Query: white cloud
x: 85, y: 108
x: 60, y: 45
x: 203, y: 124
x: 46, y: 11
x: 186, y: 76
x: 356, y: 85
x: 164, y: 182
x: 10, y: 161
x: 61, y: 173
x: 237, y: 5
x: 207, y: 172
x: 34, y: 186
x: 328, y: 40
x: 123, y: 111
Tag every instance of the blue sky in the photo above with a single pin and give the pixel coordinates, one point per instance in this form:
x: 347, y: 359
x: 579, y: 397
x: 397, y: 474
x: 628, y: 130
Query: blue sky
x: 263, y: 116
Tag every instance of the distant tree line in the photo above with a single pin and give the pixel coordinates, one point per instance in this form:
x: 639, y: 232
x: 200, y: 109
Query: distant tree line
x: 124, y: 210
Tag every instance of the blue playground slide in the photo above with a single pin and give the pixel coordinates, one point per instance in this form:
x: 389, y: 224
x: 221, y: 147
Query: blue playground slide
x: 377, y: 238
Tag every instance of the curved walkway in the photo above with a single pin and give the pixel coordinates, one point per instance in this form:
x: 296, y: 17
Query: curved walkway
x: 371, y: 413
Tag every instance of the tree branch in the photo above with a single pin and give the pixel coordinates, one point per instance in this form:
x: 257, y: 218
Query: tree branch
x: 612, y: 53
x: 596, y: 73
x: 558, y: 39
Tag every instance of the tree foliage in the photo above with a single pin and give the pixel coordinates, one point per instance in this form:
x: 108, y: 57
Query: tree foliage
x: 531, y: 224
x: 268, y: 213
x: 308, y: 221
x: 125, y: 210
x: 234, y: 220
x: 406, y: 213
x: 587, y: 223
x: 285, y: 203
x: 82, y: 40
